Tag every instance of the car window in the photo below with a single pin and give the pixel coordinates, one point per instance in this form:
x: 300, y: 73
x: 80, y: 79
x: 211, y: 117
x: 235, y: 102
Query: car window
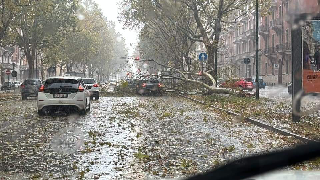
x: 59, y: 83
x: 88, y: 81
x: 30, y: 82
x: 153, y: 81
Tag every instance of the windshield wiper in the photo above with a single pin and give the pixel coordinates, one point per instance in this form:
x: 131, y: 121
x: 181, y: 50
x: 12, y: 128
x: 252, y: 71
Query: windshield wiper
x: 259, y: 164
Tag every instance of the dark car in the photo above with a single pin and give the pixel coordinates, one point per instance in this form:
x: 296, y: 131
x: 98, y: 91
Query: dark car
x: 7, y: 86
x: 149, y: 86
x: 262, y: 84
x: 132, y: 83
x: 30, y: 88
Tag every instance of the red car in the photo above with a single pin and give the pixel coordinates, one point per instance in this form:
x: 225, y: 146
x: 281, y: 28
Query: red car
x: 238, y: 83
x: 245, y: 85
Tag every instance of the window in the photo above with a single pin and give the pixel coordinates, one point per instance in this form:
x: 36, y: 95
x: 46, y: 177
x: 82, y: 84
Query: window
x: 266, y: 69
x: 273, y: 15
x: 272, y: 42
x: 273, y: 69
x: 280, y: 12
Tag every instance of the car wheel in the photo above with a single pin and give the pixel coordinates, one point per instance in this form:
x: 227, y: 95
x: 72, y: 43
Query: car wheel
x: 41, y: 113
x: 89, y: 108
x: 24, y: 97
x: 83, y: 111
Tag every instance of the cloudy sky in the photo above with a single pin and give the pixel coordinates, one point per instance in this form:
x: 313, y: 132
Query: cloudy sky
x: 110, y: 10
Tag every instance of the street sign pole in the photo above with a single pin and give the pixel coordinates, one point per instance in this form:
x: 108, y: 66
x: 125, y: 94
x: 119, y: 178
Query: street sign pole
x: 202, y: 66
x: 246, y: 70
x: 257, y: 49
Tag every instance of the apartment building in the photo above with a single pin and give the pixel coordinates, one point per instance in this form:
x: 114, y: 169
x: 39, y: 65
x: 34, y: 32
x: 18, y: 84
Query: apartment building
x: 238, y: 42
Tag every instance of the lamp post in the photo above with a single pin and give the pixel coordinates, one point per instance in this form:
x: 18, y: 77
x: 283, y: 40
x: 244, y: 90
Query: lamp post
x: 257, y: 50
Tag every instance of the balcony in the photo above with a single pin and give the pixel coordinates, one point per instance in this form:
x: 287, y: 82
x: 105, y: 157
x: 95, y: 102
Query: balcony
x: 273, y: 4
x: 288, y: 48
x: 266, y: 52
x: 237, y: 39
x: 246, y: 55
x: 277, y: 25
x: 272, y: 52
x: 264, y: 31
x: 243, y: 37
x: 250, y: 33
x: 245, y: 19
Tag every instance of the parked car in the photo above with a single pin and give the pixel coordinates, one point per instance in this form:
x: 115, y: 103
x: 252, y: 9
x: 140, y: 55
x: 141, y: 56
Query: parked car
x: 132, y: 83
x: 93, y: 87
x: 238, y: 83
x: 262, y: 84
x: 63, y: 93
x: 147, y: 86
x: 244, y: 84
x: 30, y: 88
x: 7, y: 86
x: 17, y: 84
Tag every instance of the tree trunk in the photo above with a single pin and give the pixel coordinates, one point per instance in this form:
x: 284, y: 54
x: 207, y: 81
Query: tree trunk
x: 84, y: 70
x: 211, y: 56
x: 60, y: 74
x: 42, y: 69
x: 30, y: 59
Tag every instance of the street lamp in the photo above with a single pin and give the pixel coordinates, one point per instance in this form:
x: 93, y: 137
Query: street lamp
x: 257, y: 50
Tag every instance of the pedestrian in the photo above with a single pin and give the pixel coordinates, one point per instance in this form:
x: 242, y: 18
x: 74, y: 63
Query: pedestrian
x: 317, y: 58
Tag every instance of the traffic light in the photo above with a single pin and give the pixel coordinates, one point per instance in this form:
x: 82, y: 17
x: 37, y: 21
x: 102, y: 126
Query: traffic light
x: 246, y: 60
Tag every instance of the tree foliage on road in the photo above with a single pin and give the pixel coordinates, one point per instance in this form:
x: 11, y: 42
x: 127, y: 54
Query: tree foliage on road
x: 167, y: 25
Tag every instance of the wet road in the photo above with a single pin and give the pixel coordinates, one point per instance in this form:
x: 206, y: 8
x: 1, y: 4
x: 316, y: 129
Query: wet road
x: 124, y: 138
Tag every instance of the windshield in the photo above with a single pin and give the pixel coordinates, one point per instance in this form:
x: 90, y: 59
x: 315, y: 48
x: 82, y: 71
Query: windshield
x: 158, y: 89
x: 30, y: 82
x: 88, y: 81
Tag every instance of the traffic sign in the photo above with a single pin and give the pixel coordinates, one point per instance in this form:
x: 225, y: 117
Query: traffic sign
x: 8, y: 72
x: 203, y: 56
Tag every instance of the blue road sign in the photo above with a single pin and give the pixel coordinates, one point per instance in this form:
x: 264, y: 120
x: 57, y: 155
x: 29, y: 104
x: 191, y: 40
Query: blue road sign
x: 203, y: 56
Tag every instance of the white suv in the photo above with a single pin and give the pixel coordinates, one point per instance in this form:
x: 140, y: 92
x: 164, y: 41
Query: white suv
x: 93, y: 87
x: 63, y: 93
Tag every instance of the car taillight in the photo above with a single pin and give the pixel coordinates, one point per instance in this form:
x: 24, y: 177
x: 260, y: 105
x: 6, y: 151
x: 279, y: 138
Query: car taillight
x: 23, y: 86
x: 95, y: 85
x: 41, y: 88
x: 144, y: 85
x: 81, y: 89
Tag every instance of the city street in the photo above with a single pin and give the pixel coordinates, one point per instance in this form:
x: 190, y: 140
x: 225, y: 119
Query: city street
x: 126, y: 138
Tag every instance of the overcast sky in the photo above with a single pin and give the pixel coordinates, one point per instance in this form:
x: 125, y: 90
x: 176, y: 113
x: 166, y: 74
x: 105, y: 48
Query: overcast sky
x: 110, y: 10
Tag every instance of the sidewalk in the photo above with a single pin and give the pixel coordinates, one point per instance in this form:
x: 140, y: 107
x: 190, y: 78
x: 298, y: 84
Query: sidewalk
x: 274, y: 112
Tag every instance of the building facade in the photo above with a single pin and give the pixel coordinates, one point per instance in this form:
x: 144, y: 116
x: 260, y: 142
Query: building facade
x: 238, y: 43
